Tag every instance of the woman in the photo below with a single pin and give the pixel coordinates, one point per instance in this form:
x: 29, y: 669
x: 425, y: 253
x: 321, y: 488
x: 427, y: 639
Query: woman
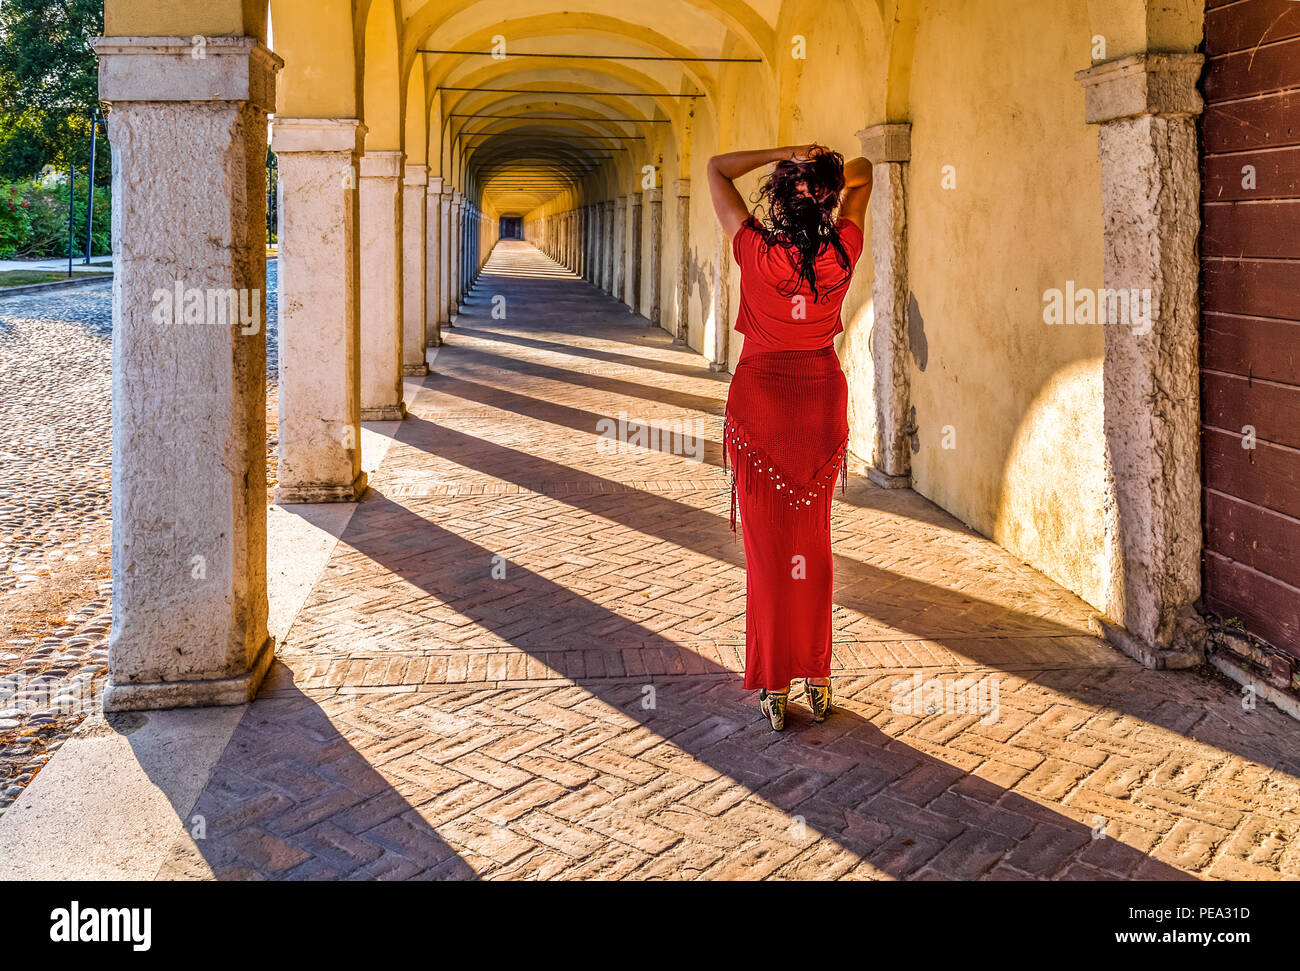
x: 786, y: 427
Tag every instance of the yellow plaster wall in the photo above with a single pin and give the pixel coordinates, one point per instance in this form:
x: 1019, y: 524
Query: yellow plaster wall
x: 1025, y: 216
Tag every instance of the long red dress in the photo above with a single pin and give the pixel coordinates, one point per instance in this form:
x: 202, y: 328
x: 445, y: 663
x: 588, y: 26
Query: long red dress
x: 785, y: 437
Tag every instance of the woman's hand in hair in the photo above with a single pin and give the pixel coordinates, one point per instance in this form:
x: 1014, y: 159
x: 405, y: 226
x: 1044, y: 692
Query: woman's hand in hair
x: 806, y: 153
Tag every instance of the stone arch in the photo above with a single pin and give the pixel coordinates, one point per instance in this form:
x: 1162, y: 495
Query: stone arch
x: 903, y: 16
x: 307, y: 36
x: 383, y: 94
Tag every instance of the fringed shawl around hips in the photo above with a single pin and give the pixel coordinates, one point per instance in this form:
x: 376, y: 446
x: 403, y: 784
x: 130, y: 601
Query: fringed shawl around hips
x: 785, y: 437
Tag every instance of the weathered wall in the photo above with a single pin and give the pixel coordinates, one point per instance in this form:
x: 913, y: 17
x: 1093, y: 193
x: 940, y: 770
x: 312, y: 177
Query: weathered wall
x: 1019, y: 402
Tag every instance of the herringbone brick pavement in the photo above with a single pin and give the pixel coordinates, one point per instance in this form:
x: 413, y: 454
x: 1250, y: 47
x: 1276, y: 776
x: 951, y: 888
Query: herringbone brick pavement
x: 522, y: 661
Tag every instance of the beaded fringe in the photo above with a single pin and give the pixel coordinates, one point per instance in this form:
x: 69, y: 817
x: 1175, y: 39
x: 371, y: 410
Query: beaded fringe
x: 762, y: 482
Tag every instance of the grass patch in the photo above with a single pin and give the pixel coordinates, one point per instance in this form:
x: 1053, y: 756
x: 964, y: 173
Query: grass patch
x: 22, y: 278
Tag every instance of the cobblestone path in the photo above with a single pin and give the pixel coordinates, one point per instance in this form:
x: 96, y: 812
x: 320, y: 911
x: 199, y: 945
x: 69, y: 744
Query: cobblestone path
x: 522, y: 661
x: 55, y: 507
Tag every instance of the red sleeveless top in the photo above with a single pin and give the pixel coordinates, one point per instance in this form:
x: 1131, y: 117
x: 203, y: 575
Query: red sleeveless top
x: 773, y: 321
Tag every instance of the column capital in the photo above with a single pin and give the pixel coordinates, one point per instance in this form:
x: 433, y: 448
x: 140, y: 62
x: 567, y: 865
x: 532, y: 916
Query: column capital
x: 654, y: 195
x: 317, y: 135
x: 435, y: 185
x: 177, y: 69
x: 682, y: 187
x: 636, y: 198
x: 382, y: 164
x: 1150, y: 83
x: 416, y: 175
x: 890, y: 142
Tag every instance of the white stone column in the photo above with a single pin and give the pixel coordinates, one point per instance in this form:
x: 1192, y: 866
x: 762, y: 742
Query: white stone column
x: 634, y: 255
x: 721, y: 337
x: 381, y: 286
x: 607, y: 257
x: 467, y: 248
x: 454, y: 252
x: 681, y: 284
x: 575, y: 242
x: 655, y: 256
x: 319, y: 310
x: 414, y: 275
x: 888, y: 148
x: 620, y: 252
x: 1145, y: 107
x: 581, y: 242
x: 433, y: 288
x: 468, y: 268
x: 584, y: 248
x: 445, y: 309
x: 188, y: 139
x: 593, y: 268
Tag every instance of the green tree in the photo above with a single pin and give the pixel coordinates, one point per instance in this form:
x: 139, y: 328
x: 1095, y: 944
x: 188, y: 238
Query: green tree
x: 49, y: 84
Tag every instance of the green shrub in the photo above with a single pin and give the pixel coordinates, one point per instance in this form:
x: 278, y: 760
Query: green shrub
x: 15, y: 220
x: 34, y: 219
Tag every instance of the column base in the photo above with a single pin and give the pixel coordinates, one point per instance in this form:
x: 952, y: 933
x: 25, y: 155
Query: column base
x: 1190, y: 655
x: 395, y: 412
x: 415, y: 370
x: 714, y: 366
x: 321, y: 492
x: 885, y: 480
x: 237, y: 690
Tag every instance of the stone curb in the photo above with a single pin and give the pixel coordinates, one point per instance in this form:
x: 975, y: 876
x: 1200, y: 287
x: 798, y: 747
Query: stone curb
x: 85, y: 280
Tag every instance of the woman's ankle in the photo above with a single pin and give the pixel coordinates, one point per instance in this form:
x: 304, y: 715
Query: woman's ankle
x: 818, y: 682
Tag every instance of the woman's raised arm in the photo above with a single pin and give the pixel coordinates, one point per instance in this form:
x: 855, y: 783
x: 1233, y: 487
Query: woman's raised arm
x: 724, y: 169
x: 857, y: 191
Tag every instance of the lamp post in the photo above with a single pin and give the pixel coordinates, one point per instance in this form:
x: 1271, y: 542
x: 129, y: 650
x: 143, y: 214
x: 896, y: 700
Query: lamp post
x: 90, y: 189
x: 72, y: 210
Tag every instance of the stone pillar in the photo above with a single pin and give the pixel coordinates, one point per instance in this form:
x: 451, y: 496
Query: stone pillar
x: 188, y: 138
x: 593, y: 274
x: 1145, y: 107
x: 444, y: 258
x: 584, y: 240
x: 580, y: 241
x: 718, y: 358
x: 578, y: 238
x: 607, y: 257
x: 433, y: 290
x: 320, y: 327
x: 634, y: 254
x: 655, y: 256
x: 466, y: 247
x: 454, y: 251
x: 471, y: 256
x: 620, y: 249
x: 381, y: 286
x: 888, y: 148
x: 681, y: 284
x: 414, y: 270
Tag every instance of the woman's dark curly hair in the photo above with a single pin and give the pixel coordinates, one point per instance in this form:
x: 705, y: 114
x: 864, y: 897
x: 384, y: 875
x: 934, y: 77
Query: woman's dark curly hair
x: 800, y: 199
